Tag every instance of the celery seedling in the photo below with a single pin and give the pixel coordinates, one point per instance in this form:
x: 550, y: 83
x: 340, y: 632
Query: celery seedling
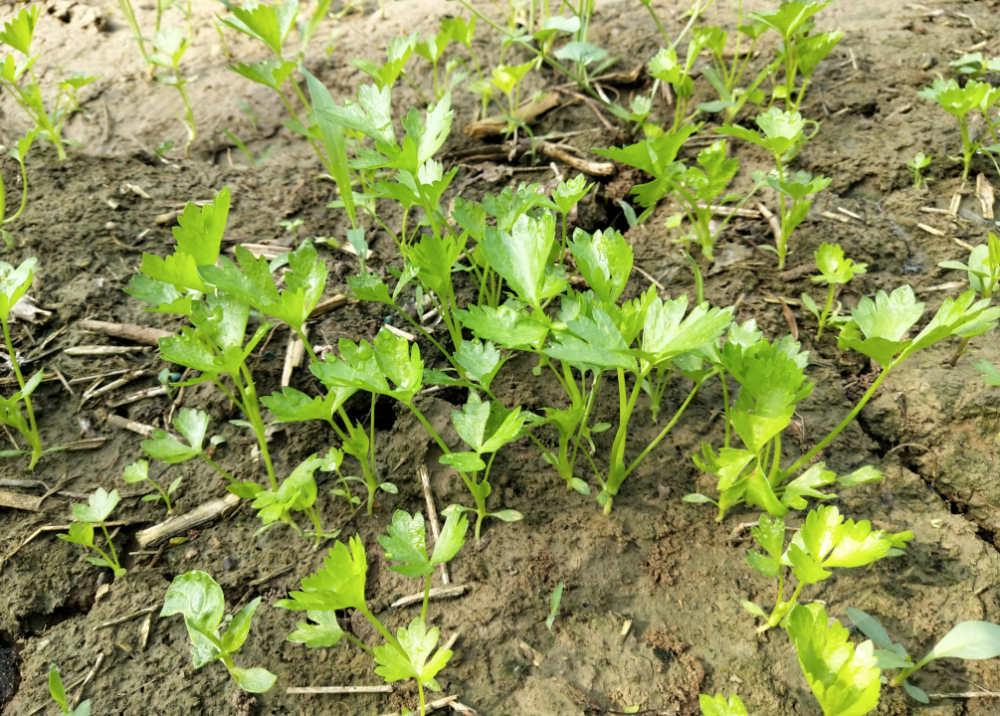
x: 18, y: 153
x: 968, y: 640
x: 81, y: 530
x: 958, y: 102
x: 919, y: 162
x: 297, y: 493
x: 18, y: 34
x: 825, y: 542
x: 407, y: 543
x: 554, y: 602
x: 138, y: 471
x: 169, y: 46
x: 975, y: 65
x: 199, y: 598
x: 14, y: 284
x: 718, y: 706
x: 340, y: 584
x: 835, y: 270
x: 984, y: 277
x: 58, y: 694
x: 782, y: 138
x: 843, y: 678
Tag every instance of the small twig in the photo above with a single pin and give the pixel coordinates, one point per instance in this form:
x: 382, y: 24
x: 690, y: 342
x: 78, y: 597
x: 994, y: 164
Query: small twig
x: 381, y: 689
x: 432, y: 516
x: 88, y: 679
x: 126, y: 618
x: 435, y: 593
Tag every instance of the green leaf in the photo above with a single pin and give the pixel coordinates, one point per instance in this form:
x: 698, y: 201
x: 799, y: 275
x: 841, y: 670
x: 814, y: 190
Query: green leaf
x: 595, y: 341
x: 14, y: 283
x: 407, y: 543
x: 297, y: 492
x: 463, y: 461
x: 567, y: 194
x: 136, y: 472
x: 781, y: 129
x: 968, y: 640
x: 843, y: 678
x: 505, y: 325
x: 256, y: 680
x: 19, y: 32
x: 81, y: 533
x: 753, y: 609
x: 861, y: 476
x: 451, y: 539
x: 100, y: 504
x: 805, y: 486
x: 198, y: 597
x: 835, y: 269
x: 340, y: 584
x: 481, y: 361
x: 870, y: 627
x: 166, y: 447
x: 192, y: 424
x: 434, y: 257
x: 654, y: 155
x: 291, y: 405
x: 239, y: 628
x: 582, y: 52
x: 717, y: 706
x: 521, y: 257
x: 668, y: 333
x: 768, y: 566
x: 916, y: 693
x: 991, y: 376
x: 326, y: 632
x: 508, y: 515
x: 963, y: 316
x: 770, y: 535
x: 418, y: 643
x: 270, y: 73
x: 877, y: 327
x: 268, y: 23
x: 605, y: 261
x: 56, y: 689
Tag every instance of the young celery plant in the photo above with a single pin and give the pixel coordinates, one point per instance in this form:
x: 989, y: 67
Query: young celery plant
x: 169, y: 46
x: 340, y: 585
x: 138, y: 471
x: 406, y: 543
x: 18, y: 153
x: 14, y: 284
x: 461, y: 31
x: 835, y: 270
x: 984, y: 277
x: 432, y: 49
x: 799, y: 51
x: 193, y: 425
x: 58, y: 693
x: 99, y: 507
x: 920, y: 162
x: 298, y: 493
x: 485, y: 427
x: 214, y: 344
x: 826, y: 541
x: 783, y: 137
x: 718, y: 706
x: 199, y: 599
x: 844, y: 679
x: 133, y: 22
x: 18, y: 78
x: 958, y: 102
x: 969, y: 640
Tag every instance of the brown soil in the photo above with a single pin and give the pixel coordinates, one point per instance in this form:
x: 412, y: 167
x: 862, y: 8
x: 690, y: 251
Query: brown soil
x: 661, y: 566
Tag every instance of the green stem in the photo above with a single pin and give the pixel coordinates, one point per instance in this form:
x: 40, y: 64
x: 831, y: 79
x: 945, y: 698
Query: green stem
x: 252, y: 411
x: 725, y: 403
x: 371, y: 478
x: 34, y: 438
x: 217, y: 468
x: 111, y: 547
x: 24, y: 195
x: 843, y: 424
x: 427, y: 596
x: 392, y: 641
x: 826, y: 311
x: 663, y: 434
x: 420, y: 690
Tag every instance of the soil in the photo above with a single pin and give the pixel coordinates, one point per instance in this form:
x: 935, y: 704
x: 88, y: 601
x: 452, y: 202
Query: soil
x: 651, y: 613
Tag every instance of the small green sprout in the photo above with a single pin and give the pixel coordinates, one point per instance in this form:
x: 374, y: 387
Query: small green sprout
x: 835, y: 270
x: 919, y: 162
x: 975, y: 65
x: 554, y: 601
x: 14, y: 284
x: 292, y: 227
x: 18, y: 153
x: 297, y: 493
x: 984, y: 277
x: 169, y: 46
x: 968, y: 640
x: 844, y: 679
x: 407, y: 543
x: 199, y: 598
x: 58, y: 694
x: 718, y: 706
x: 81, y: 530
x: 340, y: 584
x: 958, y: 102
x: 138, y: 471
x: 825, y: 542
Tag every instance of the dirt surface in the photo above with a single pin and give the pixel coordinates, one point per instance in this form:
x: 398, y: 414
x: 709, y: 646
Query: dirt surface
x: 651, y: 613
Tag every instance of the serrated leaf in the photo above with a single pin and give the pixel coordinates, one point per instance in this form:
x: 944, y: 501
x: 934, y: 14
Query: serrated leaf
x: 268, y: 23
x: 521, y: 257
x: 136, y: 472
x: 834, y: 267
x: 164, y: 446
x: 717, y: 706
x: 326, y: 631
x: 406, y: 543
x: 805, y: 486
x: 418, y: 642
x: 505, y: 325
x: 770, y: 535
x: 99, y: 506
x: 605, y: 261
x: 81, y: 533
x: 340, y: 584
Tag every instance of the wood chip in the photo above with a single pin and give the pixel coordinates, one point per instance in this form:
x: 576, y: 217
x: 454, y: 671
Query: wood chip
x: 851, y: 214
x: 956, y: 203
x: 126, y: 618
x: 835, y: 217
x: 182, y: 523
x: 128, y: 331
x: 535, y: 657
x: 138, y: 428
x: 294, y: 355
x: 984, y: 192
x: 18, y: 501
x: 144, y: 629
x: 930, y: 230
x: 432, y: 516
x: 435, y: 593
x: 141, y: 395
x: 401, y: 333
x: 529, y: 113
x: 102, y: 350
x: 328, y: 305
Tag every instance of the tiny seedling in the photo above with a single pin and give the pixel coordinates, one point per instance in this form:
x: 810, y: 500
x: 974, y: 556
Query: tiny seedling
x: 200, y: 600
x: 81, y: 530
x: 406, y: 543
x: 835, y: 270
x: 339, y: 585
x: 14, y: 284
x: 974, y: 65
x: 718, y: 706
x: 968, y: 640
x: 844, y: 679
x: 169, y: 46
x: 958, y: 102
x: 18, y: 78
x: 58, y: 693
x: 297, y: 493
x: 920, y: 162
x: 826, y: 541
x: 138, y: 471
x: 783, y: 136
x: 984, y: 277
x: 193, y: 425
x: 554, y: 601
x: 18, y: 153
